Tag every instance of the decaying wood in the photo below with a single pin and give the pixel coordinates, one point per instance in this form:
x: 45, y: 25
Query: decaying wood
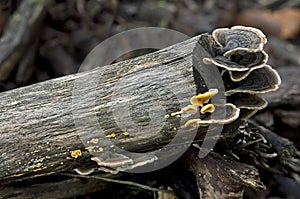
x: 221, y: 177
x: 37, y: 123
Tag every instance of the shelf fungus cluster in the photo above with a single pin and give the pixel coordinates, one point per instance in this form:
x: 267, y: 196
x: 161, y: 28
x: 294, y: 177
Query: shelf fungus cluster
x: 239, y: 56
x: 243, y: 64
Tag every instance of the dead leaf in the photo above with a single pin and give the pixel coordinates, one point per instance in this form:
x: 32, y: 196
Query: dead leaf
x: 284, y: 23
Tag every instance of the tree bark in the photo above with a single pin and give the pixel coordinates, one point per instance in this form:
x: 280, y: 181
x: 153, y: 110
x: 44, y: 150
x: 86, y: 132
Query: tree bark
x: 41, y: 124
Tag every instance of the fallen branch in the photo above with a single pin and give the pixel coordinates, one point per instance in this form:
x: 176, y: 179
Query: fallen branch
x: 37, y: 122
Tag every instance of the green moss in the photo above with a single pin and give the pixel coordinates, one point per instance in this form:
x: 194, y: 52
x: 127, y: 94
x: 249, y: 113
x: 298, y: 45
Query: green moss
x: 15, y: 18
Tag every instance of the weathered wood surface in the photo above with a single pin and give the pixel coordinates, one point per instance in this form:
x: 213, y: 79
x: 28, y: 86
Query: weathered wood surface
x: 37, y: 122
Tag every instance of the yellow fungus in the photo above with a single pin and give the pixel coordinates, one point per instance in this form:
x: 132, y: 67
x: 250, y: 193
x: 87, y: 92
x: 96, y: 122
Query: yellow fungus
x: 38, y: 165
x: 76, y: 153
x: 207, y: 108
x: 94, y: 140
x: 111, y: 135
x: 176, y: 113
x: 192, y: 122
x: 201, y: 99
x: 167, y: 116
x: 100, y: 149
x: 196, y: 101
x: 89, y: 148
x: 189, y: 109
x: 125, y: 133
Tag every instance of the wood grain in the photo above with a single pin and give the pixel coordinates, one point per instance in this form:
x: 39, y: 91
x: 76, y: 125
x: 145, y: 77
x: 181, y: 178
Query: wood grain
x: 41, y: 124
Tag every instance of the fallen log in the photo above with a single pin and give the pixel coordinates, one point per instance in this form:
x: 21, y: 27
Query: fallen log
x: 37, y: 124
x: 63, y: 124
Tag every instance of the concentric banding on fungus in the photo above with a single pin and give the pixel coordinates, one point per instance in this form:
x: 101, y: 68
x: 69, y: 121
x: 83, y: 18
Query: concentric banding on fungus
x: 255, y: 55
x: 232, y: 113
x: 239, y: 36
x: 248, y: 101
x: 262, y: 80
x: 247, y: 57
x: 240, y: 75
x: 240, y: 60
x: 224, y: 62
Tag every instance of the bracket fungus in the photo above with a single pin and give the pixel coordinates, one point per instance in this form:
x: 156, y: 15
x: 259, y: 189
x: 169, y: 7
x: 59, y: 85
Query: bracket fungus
x: 248, y: 103
x: 239, y: 37
x: 240, y: 59
x: 262, y: 80
x: 242, y: 64
x: 238, y: 54
x: 114, y: 162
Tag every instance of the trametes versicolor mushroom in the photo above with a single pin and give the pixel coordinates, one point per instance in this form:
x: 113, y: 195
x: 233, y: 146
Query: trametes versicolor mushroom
x: 239, y: 55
